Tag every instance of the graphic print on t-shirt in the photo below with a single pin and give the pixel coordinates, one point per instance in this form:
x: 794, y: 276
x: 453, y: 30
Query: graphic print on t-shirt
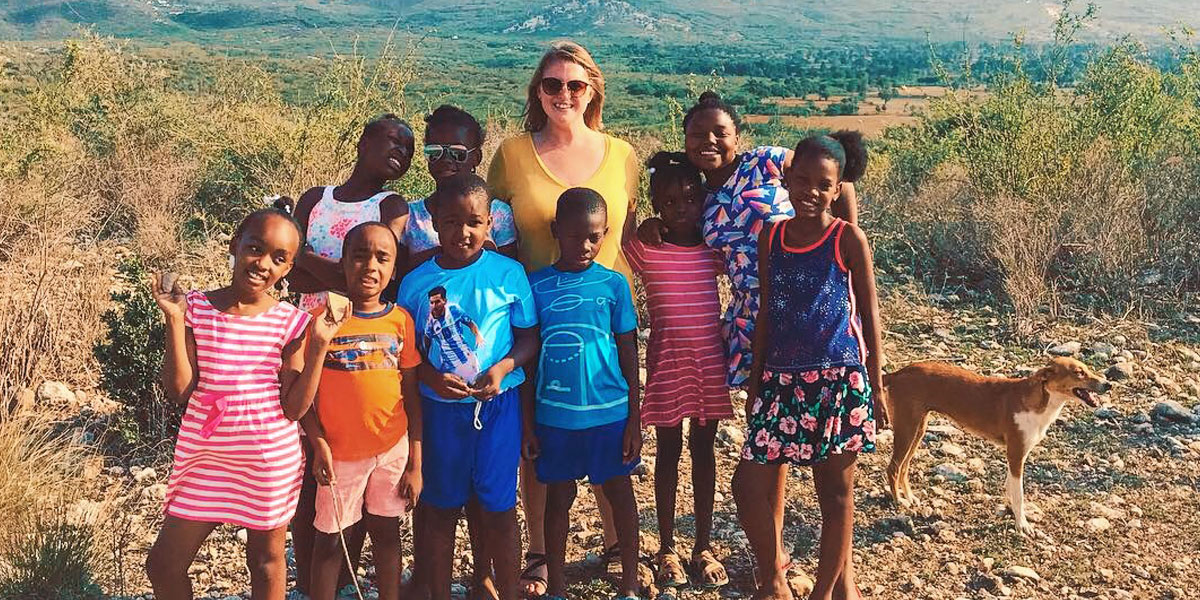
x: 363, y: 352
x: 562, y: 361
x: 455, y: 334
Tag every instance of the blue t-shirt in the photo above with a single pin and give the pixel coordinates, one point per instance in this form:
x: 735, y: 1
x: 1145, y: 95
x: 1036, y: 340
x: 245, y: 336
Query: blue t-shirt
x: 464, y: 317
x: 579, y: 380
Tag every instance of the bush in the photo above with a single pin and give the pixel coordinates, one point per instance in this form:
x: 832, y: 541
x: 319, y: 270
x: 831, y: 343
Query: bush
x: 49, y: 561
x: 130, y: 358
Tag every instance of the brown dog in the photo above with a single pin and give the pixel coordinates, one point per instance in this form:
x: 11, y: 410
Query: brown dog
x: 1013, y: 413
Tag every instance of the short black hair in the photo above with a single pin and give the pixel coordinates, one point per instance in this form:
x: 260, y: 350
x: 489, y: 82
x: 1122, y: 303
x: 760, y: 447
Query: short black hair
x: 672, y: 167
x: 580, y: 201
x: 357, y: 231
x: 457, y: 186
x: 375, y: 124
x: 437, y: 291
x: 262, y: 213
x: 455, y: 116
x: 844, y: 147
x: 711, y: 99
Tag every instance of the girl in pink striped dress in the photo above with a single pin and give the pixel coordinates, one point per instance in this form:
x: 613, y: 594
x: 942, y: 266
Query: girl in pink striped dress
x: 238, y: 358
x: 685, y: 359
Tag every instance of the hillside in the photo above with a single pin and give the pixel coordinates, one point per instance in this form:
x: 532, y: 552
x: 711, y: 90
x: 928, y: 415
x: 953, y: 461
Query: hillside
x: 798, y: 23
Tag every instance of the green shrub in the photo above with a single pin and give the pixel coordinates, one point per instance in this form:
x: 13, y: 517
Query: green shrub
x: 130, y: 358
x: 49, y: 560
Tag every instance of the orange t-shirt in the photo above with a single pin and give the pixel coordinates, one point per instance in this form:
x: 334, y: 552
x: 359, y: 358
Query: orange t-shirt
x: 359, y: 402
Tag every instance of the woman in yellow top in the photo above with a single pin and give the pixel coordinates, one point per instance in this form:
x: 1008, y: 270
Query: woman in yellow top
x: 563, y: 148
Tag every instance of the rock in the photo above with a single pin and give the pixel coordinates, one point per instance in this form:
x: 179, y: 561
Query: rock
x: 950, y: 449
x: 731, y: 436
x: 642, y: 469
x: 1066, y: 349
x: 155, y: 493
x: 802, y: 585
x: 943, y: 332
x: 1098, y: 524
x: 1106, y: 574
x: 1106, y: 412
x: 242, y: 535
x: 990, y: 345
x: 55, y: 393
x: 145, y: 475
x: 1118, y: 340
x: 1143, y: 428
x: 1102, y: 350
x: 1018, y: 572
x: 643, y: 335
x: 1172, y: 411
x: 1139, y: 417
x: 741, y: 396
x: 986, y: 563
x: 951, y: 472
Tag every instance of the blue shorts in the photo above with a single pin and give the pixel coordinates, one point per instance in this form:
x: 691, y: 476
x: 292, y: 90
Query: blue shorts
x: 460, y: 461
x: 572, y: 454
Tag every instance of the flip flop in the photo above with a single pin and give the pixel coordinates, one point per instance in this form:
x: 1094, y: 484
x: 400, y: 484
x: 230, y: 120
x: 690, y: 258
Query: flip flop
x: 533, y: 562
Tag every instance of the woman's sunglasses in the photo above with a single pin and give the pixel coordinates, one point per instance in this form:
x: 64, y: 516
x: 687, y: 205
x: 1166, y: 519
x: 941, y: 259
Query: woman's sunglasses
x: 455, y: 152
x: 551, y: 86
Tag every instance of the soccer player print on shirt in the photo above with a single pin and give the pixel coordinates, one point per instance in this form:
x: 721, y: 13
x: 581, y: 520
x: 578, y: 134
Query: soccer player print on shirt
x: 446, y: 331
x: 562, y: 368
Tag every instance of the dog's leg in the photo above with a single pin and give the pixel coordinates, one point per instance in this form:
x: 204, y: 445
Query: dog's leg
x: 918, y: 435
x: 907, y: 430
x: 1014, y: 484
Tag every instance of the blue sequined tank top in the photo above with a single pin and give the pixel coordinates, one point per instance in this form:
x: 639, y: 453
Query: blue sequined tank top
x: 813, y: 318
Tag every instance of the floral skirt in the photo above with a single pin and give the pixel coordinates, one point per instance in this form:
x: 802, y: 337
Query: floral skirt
x: 803, y: 417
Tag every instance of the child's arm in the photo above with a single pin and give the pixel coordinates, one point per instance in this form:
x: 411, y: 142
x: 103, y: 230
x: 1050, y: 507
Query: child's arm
x: 179, y: 369
x: 322, y: 457
x: 761, y: 322
x: 857, y: 253
x: 627, y: 356
x: 446, y: 385
x: 530, y: 447
x: 302, y: 363
x: 313, y: 272
x: 411, y: 483
x: 845, y: 207
x: 524, y: 349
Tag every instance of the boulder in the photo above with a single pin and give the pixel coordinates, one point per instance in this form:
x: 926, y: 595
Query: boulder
x: 1066, y: 349
x: 55, y: 393
x: 1119, y: 372
x: 1172, y: 412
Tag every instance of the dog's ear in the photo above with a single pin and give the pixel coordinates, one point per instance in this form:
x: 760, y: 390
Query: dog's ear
x: 1043, y: 374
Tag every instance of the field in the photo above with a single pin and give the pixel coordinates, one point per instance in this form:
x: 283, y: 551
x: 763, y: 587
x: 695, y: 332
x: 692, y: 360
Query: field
x: 1018, y: 199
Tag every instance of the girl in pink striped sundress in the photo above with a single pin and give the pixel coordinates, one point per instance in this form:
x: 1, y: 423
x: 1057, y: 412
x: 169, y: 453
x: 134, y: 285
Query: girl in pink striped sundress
x: 239, y: 359
x: 685, y: 359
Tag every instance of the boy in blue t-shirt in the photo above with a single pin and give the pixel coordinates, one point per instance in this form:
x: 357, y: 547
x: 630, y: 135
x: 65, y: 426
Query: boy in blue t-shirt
x: 581, y: 407
x: 477, y: 324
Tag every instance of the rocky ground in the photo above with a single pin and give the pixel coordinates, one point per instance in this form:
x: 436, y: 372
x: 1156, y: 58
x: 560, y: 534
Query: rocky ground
x: 1114, y: 492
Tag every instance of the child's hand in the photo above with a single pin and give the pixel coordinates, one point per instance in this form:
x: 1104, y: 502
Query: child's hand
x: 882, y: 419
x: 651, y: 231
x: 322, y: 462
x: 168, y: 294
x: 531, y: 448
x: 326, y: 325
x: 449, y: 385
x: 632, y: 443
x: 487, y: 385
x: 411, y: 484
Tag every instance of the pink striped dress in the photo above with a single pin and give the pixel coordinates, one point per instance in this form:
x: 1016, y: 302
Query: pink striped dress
x: 237, y: 458
x: 685, y: 358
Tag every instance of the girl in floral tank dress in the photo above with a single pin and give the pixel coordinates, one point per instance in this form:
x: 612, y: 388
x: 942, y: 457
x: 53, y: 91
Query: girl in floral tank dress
x: 816, y: 364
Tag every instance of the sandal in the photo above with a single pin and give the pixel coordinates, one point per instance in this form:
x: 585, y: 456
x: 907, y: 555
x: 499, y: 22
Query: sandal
x: 612, y: 560
x: 529, y: 577
x: 670, y: 569
x: 707, y: 571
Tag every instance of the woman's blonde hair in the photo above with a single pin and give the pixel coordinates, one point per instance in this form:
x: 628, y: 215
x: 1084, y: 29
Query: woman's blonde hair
x: 535, y: 117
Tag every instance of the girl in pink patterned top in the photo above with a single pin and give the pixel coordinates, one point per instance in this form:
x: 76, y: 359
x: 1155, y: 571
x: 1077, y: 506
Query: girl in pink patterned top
x: 685, y: 359
x: 238, y: 358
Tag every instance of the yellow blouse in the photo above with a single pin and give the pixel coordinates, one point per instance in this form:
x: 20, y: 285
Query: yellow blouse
x: 518, y: 175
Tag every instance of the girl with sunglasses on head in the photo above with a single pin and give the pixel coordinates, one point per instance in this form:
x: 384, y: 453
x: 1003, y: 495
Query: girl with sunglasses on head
x: 563, y: 147
x: 453, y: 145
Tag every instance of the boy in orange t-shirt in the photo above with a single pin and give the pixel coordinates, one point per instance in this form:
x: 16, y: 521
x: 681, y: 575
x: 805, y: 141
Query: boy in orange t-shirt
x: 366, y: 430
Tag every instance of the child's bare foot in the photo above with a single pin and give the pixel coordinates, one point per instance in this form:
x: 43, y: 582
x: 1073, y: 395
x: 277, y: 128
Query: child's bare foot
x: 483, y: 587
x: 774, y: 588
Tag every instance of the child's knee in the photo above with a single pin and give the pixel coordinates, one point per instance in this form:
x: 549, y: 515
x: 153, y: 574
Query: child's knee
x: 325, y: 545
x: 160, y: 567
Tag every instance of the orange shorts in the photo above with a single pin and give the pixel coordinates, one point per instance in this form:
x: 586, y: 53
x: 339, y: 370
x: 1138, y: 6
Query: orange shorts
x: 373, y: 482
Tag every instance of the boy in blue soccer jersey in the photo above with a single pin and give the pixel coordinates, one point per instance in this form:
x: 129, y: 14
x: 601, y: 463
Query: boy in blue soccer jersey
x: 581, y: 406
x: 479, y: 326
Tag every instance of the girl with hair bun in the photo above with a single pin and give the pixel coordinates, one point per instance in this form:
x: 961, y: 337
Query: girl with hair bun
x: 816, y: 383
